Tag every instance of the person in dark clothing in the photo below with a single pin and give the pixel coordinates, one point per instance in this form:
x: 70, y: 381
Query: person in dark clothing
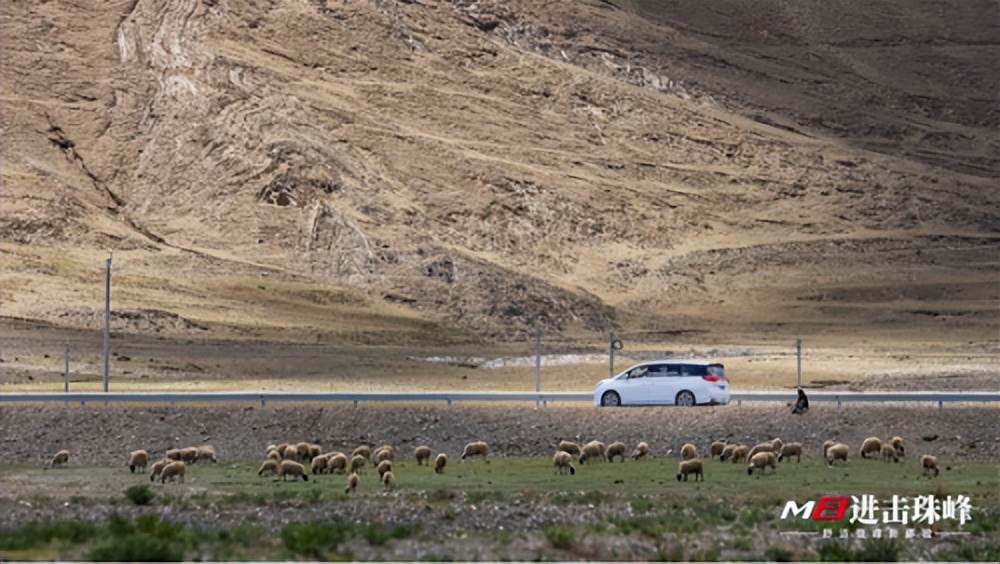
x: 802, y: 404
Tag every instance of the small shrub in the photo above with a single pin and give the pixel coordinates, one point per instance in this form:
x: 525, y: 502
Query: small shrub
x: 878, y: 550
x: 135, y: 547
x: 140, y: 494
x: 313, y: 539
x: 778, y: 554
x: 559, y: 536
x: 835, y: 551
x: 36, y: 534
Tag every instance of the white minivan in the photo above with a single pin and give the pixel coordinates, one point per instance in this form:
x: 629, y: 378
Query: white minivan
x: 665, y: 382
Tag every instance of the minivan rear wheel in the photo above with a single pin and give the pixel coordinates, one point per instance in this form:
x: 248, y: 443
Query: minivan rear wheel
x: 685, y: 399
x: 611, y: 399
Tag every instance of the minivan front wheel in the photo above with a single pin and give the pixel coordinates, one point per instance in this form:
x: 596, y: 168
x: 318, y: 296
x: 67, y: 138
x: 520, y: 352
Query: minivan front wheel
x: 611, y: 399
x: 685, y: 399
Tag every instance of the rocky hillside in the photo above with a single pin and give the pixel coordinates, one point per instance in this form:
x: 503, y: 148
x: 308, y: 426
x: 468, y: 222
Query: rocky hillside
x: 456, y: 170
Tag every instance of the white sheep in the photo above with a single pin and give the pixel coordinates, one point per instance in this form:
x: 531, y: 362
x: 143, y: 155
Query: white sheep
x: 423, y: 454
x: 740, y: 454
x: 929, y: 462
x: 727, y: 452
x: 173, y: 454
x: 688, y: 451
x: 767, y: 446
x: 352, y: 482
x: 157, y: 468
x: 293, y: 469
x: 717, y: 447
x: 189, y: 454
x: 789, y: 450
x: 476, y: 448
x: 301, y: 452
x: 593, y: 449
x: 888, y: 453
x: 760, y: 461
x: 61, y: 457
x: 826, y: 445
x: 362, y: 450
x: 563, y: 461
x: 173, y: 471
x: 138, y: 460
x: 439, y: 463
x: 318, y: 465
x: 270, y: 466
x: 616, y: 448
x: 690, y: 466
x: 569, y: 446
x: 641, y: 450
x: 388, y: 479
x: 777, y: 443
x: 358, y: 463
x: 838, y: 451
x: 337, y: 463
x: 871, y: 445
x: 274, y: 454
x: 384, y: 452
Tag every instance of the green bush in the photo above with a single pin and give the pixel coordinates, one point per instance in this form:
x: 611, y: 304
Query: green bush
x: 135, y: 547
x: 559, y: 536
x: 36, y: 534
x: 140, y: 494
x: 313, y: 539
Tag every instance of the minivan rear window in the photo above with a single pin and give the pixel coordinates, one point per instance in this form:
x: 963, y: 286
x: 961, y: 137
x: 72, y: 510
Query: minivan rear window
x: 717, y: 370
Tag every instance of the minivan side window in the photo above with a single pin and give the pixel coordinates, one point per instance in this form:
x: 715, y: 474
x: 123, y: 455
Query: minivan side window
x: 695, y: 370
x: 673, y: 370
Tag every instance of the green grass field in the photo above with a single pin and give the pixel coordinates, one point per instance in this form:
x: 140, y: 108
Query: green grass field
x: 728, y: 500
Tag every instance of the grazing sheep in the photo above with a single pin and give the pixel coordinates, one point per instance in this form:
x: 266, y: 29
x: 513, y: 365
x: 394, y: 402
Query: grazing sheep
x: 741, y: 453
x: 888, y: 453
x: 337, y: 462
x: 777, y: 443
x: 826, y: 445
x: 871, y: 445
x: 839, y: 451
x: 476, y: 448
x: 270, y: 466
x: 389, y: 479
x: 641, y: 450
x: 593, y: 449
x: 358, y: 463
x: 281, y: 449
x: 138, y: 460
x: 689, y: 451
x: 291, y: 453
x: 789, y: 450
x: 318, y: 464
x: 690, y: 466
x: 563, y: 461
x: 761, y: 447
x: 273, y: 454
x: 761, y: 461
x: 157, y: 468
x: 206, y: 452
x: 439, y: 463
x: 897, y: 443
x: 569, y: 446
x: 384, y: 452
x: 383, y: 467
x: 716, y: 448
x: 173, y: 454
x: 189, y: 454
x: 930, y: 463
x: 61, y: 457
x: 352, y: 482
x: 423, y: 454
x: 363, y: 450
x: 727, y: 452
x: 617, y: 448
x: 174, y: 470
x: 314, y: 450
x: 293, y: 469
x: 301, y: 451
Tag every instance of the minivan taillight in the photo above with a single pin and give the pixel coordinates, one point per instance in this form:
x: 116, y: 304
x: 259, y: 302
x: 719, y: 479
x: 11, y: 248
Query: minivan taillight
x: 710, y: 378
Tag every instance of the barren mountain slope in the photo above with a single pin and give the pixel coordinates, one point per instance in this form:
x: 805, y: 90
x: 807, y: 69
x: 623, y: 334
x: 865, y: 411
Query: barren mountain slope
x: 436, y: 170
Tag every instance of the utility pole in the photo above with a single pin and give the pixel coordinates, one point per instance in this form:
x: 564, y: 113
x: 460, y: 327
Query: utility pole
x: 107, y: 319
x: 798, y: 357
x: 538, y: 361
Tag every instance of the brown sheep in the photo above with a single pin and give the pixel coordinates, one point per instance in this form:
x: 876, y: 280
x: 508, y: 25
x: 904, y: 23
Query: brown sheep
x: 173, y: 454
x: 174, y: 470
x: 563, y: 461
x: 789, y: 450
x: 690, y: 466
x: 383, y: 467
x: 301, y: 452
x: 616, y: 448
x: 157, y: 468
x: 593, y: 449
x: 358, y: 463
x: 293, y: 469
x: 826, y: 445
x: 189, y: 454
x: 318, y: 465
x: 352, y: 482
x: 338, y: 463
x: 740, y: 454
x: 138, y: 460
x: 206, y: 452
x: 871, y: 445
x: 363, y: 450
x: 897, y: 443
x: 269, y: 466
x: 641, y: 450
x: 929, y: 462
x: 716, y: 448
x: 839, y: 451
x: 61, y: 457
x: 388, y: 479
x: 439, y: 463
x: 384, y: 452
x: 727, y: 452
x: 888, y: 453
x: 423, y: 454
x: 761, y: 461
x: 761, y: 447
